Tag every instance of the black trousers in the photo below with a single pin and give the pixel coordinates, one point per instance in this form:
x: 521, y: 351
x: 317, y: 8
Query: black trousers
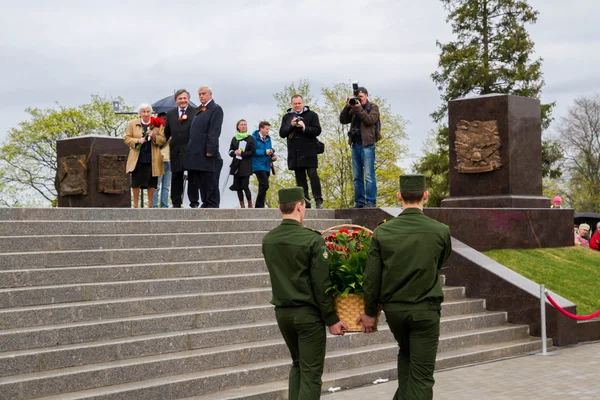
x: 219, y: 167
x: 263, y: 186
x: 206, y: 183
x: 315, y: 182
x: 177, y: 184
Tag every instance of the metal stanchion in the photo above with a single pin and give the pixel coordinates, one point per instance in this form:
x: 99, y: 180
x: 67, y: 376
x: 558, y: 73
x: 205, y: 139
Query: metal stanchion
x: 543, y: 318
x: 543, y: 323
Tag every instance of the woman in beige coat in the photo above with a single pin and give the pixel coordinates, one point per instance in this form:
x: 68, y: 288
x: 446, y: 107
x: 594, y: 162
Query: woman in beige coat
x: 145, y: 162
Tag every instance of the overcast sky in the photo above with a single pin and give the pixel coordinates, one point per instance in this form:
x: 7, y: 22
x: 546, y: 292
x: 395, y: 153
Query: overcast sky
x: 63, y: 51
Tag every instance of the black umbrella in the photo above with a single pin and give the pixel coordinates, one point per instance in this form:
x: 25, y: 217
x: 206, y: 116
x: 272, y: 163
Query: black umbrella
x: 589, y: 218
x: 166, y: 104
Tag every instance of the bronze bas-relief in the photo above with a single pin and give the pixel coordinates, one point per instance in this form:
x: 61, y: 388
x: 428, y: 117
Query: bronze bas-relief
x: 72, y: 174
x: 112, y: 178
x: 477, y: 147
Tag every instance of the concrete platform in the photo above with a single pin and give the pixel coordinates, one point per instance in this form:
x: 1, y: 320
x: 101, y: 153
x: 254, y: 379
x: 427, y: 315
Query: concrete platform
x: 570, y: 374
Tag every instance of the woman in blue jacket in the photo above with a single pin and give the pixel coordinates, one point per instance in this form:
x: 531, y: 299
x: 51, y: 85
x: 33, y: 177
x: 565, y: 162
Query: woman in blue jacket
x: 261, y: 161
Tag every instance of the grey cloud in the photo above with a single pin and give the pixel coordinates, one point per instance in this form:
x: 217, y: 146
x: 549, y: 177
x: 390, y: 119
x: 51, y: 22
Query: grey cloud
x: 248, y: 51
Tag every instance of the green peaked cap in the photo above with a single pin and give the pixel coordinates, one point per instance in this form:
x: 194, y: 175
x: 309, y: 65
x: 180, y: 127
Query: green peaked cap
x: 414, y: 183
x: 291, y: 194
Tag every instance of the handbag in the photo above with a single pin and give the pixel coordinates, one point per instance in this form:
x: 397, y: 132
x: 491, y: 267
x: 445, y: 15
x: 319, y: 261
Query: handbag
x: 320, y: 147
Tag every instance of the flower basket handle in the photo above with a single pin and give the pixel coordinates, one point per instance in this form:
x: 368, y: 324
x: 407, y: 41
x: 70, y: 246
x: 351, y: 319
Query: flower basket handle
x: 338, y: 227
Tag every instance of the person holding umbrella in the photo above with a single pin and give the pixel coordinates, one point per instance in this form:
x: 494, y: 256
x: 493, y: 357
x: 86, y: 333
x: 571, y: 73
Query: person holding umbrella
x: 242, y: 149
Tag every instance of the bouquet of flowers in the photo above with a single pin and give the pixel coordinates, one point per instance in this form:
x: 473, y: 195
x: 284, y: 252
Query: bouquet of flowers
x: 155, y: 122
x: 347, y: 251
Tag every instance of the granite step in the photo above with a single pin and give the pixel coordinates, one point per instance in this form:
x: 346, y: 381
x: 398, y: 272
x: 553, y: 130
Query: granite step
x: 130, y: 327
x: 355, y: 377
x: 118, y: 227
x: 14, y: 244
x: 42, y: 359
x: 458, y: 314
x: 88, y: 214
x: 56, y: 294
x: 65, y: 313
x: 219, y: 383
x: 350, y: 351
x: 79, y: 258
x: 128, y: 272
x: 67, y: 293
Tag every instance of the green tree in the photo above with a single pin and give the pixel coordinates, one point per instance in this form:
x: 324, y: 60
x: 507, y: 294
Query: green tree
x: 492, y: 53
x: 335, y: 165
x: 435, y: 165
x: 28, y: 164
x: 579, y: 134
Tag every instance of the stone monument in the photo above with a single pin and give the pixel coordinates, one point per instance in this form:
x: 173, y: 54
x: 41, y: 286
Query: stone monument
x: 91, y: 172
x: 496, y: 197
x: 495, y: 152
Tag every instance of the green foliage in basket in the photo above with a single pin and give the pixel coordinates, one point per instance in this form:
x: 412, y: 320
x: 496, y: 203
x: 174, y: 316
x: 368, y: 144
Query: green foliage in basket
x: 347, y: 260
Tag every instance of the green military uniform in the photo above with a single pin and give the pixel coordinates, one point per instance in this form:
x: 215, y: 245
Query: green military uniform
x: 299, y: 270
x: 402, y: 274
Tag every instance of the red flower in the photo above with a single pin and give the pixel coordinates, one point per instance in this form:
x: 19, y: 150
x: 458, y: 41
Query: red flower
x: 155, y: 122
x: 346, y: 231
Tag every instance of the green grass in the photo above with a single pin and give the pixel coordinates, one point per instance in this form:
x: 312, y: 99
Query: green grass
x: 572, y: 272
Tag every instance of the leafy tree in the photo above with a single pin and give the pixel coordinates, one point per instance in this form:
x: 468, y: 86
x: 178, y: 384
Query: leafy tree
x: 435, y: 165
x: 28, y: 164
x: 335, y: 165
x: 552, y: 157
x: 492, y: 53
x: 579, y: 134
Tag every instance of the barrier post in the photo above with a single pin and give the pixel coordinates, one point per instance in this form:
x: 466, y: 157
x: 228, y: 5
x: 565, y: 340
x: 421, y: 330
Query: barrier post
x: 543, y: 318
x: 543, y: 324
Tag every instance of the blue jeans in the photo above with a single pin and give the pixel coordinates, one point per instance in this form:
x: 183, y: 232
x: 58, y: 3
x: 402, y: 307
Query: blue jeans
x: 363, y: 169
x: 164, y: 185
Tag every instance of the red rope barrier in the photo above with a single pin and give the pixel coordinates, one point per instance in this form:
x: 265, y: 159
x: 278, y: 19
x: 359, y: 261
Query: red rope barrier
x: 568, y: 314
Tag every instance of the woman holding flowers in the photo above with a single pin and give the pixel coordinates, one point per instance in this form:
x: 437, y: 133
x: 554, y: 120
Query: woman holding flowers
x: 145, y: 136
x: 242, y: 149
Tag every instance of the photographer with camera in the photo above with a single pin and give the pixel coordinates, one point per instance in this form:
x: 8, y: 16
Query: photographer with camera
x: 363, y: 117
x: 300, y: 126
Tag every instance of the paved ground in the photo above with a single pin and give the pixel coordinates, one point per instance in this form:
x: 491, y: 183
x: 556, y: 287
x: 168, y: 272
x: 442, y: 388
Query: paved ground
x: 571, y: 374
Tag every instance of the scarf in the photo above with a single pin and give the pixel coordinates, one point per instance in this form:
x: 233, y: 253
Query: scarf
x: 241, y: 135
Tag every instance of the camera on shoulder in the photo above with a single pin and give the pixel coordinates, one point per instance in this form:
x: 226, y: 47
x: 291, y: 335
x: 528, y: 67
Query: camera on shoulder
x: 354, y: 100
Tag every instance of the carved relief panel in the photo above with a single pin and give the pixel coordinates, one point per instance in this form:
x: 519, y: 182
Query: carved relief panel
x: 477, y: 146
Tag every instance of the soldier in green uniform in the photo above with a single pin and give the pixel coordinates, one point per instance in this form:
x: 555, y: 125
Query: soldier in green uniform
x: 298, y: 265
x: 402, y: 274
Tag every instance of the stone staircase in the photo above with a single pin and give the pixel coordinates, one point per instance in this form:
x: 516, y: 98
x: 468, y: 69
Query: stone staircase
x: 169, y: 304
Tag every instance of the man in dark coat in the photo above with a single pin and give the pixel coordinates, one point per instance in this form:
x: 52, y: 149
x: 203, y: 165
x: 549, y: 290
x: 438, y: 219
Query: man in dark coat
x: 300, y: 126
x: 203, y: 147
x: 179, y: 121
x: 403, y: 274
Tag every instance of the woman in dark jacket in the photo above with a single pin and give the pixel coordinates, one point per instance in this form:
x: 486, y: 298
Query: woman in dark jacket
x: 242, y: 149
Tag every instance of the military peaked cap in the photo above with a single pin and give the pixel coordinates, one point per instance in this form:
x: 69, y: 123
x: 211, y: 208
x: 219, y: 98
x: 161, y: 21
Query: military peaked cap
x: 291, y: 194
x: 414, y: 183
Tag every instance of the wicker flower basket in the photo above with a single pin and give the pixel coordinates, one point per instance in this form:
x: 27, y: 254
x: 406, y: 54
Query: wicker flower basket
x: 348, y: 308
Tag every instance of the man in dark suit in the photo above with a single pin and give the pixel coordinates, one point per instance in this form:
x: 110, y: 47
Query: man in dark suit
x: 179, y: 121
x: 203, y: 149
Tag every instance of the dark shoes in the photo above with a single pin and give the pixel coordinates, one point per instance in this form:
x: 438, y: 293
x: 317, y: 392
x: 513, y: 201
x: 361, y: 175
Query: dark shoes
x: 368, y: 205
x: 319, y: 204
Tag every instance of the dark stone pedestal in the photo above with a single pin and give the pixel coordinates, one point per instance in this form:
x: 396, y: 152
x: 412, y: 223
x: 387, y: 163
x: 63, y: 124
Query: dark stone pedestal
x: 507, y: 228
x: 91, y: 172
x: 505, y: 201
x: 495, y: 153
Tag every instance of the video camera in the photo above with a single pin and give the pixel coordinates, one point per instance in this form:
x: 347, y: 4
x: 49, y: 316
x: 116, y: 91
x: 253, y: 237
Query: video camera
x: 355, y: 99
